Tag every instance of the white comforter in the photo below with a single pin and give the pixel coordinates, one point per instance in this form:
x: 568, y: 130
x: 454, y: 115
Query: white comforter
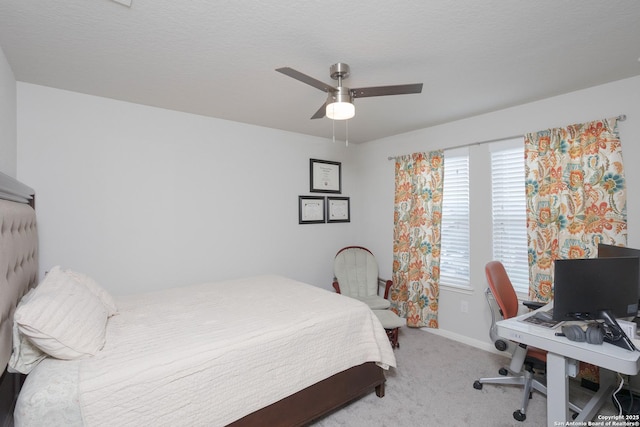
x: 210, y: 354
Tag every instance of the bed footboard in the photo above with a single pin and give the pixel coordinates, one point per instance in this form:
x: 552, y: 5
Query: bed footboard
x: 319, y: 399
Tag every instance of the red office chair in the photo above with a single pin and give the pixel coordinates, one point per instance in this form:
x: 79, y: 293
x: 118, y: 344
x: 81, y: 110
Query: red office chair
x: 528, y: 364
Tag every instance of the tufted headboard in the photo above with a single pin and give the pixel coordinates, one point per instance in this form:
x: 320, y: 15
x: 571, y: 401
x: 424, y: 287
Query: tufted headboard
x: 18, y: 254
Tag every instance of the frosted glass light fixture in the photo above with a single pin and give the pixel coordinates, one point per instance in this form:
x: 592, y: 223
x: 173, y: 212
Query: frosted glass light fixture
x: 340, y: 105
x: 341, y: 110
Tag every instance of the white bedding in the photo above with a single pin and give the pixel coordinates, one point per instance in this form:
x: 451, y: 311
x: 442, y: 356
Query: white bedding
x: 210, y: 354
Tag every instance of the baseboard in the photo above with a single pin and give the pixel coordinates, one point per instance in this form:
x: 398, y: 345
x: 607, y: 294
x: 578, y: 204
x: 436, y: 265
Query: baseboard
x: 482, y: 345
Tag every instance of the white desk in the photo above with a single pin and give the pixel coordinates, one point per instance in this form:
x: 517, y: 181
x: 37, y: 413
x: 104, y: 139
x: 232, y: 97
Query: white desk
x: 608, y: 357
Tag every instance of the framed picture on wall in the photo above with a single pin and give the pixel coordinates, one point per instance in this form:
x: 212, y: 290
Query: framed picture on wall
x: 325, y: 176
x: 311, y: 210
x: 338, y: 209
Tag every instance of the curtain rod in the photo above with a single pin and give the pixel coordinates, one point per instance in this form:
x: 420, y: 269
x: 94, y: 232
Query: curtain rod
x: 621, y: 118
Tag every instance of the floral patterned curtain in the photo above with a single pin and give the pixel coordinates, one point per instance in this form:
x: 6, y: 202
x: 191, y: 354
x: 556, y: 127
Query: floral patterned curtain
x: 576, y: 197
x: 416, y: 238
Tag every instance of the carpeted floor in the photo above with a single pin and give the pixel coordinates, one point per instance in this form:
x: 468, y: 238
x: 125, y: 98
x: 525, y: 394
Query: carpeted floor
x: 433, y: 386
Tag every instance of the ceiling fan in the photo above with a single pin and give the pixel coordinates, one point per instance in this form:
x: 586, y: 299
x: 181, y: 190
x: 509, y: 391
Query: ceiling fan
x: 339, y: 104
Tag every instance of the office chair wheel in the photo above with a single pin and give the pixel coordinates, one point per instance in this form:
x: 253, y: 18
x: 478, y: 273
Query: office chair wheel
x: 519, y: 416
x: 503, y: 372
x: 477, y: 385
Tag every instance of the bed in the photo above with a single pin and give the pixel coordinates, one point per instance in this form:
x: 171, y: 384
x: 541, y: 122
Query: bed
x: 263, y: 350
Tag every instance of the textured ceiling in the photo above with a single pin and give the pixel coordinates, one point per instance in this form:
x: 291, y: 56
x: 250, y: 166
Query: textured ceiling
x: 217, y: 58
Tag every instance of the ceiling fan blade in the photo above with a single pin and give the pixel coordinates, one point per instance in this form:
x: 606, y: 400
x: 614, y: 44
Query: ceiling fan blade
x: 321, y: 112
x: 364, y: 92
x: 306, y: 79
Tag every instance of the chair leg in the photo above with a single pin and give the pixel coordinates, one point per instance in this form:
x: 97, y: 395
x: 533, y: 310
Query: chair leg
x: 502, y: 380
x: 392, y: 334
x: 528, y: 380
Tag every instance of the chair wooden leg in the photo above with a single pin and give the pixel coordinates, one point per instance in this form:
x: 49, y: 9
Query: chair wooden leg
x: 392, y: 334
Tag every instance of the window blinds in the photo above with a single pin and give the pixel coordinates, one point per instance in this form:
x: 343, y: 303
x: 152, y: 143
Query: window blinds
x: 454, y: 250
x: 509, y: 211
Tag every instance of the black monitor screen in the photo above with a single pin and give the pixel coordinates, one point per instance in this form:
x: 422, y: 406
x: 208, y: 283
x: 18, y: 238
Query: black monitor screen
x: 583, y: 288
x: 607, y: 251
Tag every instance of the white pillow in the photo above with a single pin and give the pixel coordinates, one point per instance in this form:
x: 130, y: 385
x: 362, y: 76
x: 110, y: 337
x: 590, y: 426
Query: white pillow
x: 25, y: 355
x: 63, y: 318
x: 96, y: 289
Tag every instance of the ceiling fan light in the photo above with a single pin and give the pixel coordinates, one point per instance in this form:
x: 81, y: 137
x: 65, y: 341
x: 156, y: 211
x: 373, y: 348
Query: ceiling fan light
x: 340, y: 110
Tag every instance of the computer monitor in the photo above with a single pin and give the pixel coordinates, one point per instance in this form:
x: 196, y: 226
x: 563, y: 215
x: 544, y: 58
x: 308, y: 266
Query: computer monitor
x: 598, y: 288
x: 607, y: 251
x: 583, y: 288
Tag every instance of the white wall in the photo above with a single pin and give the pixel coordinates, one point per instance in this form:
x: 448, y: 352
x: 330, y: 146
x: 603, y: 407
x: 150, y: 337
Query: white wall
x: 8, y: 138
x: 142, y: 198
x: 622, y: 97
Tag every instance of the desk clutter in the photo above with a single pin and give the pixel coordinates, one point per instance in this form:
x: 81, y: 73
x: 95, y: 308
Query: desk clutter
x: 543, y: 318
x: 593, y: 333
x: 614, y: 331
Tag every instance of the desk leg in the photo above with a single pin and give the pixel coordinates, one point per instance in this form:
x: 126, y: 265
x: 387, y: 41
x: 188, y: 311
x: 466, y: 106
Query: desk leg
x: 557, y: 389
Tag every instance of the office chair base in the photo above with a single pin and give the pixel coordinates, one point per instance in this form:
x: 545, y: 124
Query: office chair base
x: 526, y: 380
x: 520, y: 414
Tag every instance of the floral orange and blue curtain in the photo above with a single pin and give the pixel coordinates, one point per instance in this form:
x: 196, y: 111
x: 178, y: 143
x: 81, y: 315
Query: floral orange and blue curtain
x: 416, y: 237
x: 576, y: 197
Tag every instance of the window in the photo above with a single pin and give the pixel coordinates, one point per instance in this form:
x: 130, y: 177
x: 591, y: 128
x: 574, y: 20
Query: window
x: 509, y: 211
x: 454, y: 249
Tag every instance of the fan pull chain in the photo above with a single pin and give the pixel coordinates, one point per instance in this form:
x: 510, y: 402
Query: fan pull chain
x: 333, y: 122
x: 346, y: 138
x: 346, y: 124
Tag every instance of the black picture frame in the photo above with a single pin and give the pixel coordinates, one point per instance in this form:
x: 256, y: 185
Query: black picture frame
x: 325, y: 176
x: 311, y: 210
x: 338, y: 209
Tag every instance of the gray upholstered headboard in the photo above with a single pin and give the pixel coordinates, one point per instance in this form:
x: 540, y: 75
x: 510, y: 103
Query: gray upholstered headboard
x: 18, y: 254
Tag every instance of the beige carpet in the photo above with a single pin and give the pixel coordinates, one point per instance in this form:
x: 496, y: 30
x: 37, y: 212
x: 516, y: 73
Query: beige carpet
x: 433, y: 386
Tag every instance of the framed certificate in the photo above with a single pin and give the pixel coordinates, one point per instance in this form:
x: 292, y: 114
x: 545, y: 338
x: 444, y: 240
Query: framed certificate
x: 311, y: 210
x: 338, y: 209
x: 325, y: 176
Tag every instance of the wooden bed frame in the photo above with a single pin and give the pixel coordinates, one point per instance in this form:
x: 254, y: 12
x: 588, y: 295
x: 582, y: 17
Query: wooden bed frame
x: 319, y: 399
x: 295, y: 410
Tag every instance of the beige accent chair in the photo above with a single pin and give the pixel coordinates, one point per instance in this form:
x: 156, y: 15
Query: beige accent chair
x: 356, y: 276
